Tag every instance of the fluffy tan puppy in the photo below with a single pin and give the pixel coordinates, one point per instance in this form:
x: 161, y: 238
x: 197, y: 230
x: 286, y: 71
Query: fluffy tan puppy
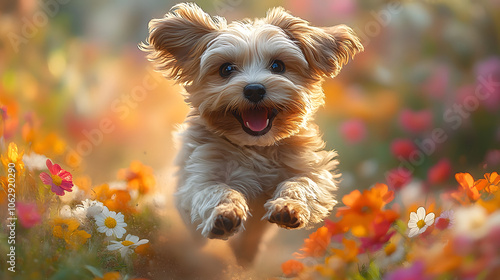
x: 250, y: 151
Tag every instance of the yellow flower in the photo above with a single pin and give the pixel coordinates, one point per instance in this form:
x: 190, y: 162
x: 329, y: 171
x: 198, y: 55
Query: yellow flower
x: 67, y: 229
x: 13, y: 156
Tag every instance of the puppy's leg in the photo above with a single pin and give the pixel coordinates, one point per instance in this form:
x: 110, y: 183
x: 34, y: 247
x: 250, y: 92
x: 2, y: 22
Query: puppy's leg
x: 220, y: 209
x: 302, y: 201
x: 247, y: 244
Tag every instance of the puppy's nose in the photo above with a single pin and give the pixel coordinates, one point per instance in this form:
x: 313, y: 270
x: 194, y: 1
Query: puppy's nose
x: 254, y: 92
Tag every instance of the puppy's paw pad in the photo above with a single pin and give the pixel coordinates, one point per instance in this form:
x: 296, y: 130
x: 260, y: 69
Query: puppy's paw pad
x: 225, y: 225
x: 286, y: 218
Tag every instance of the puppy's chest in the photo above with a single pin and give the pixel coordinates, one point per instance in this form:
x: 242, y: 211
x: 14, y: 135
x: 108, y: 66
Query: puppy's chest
x: 261, y: 165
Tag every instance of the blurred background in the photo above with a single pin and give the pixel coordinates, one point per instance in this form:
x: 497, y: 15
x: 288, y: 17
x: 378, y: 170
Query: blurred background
x: 420, y: 104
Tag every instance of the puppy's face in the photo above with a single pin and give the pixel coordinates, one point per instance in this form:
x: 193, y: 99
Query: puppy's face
x: 254, y: 82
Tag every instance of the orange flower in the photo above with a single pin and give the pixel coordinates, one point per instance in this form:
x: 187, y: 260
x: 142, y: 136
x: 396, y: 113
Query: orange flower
x: 363, y: 208
x: 51, y: 144
x: 292, y: 268
x: 467, y: 191
x: 67, y: 229
x: 138, y: 176
x: 31, y: 128
x: 84, y: 183
x: 3, y: 192
x: 490, y: 183
x: 144, y: 249
x: 316, y: 244
x: 110, y: 276
x: 491, y: 205
x: 115, y: 200
x: 350, y: 251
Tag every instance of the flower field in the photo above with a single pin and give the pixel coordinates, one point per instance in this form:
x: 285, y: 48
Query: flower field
x: 86, y: 146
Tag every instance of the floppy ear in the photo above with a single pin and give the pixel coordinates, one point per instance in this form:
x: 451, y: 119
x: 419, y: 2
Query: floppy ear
x: 177, y: 40
x: 326, y: 49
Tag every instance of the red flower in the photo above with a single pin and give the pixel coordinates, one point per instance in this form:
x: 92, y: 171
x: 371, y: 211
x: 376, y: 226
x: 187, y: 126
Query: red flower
x: 353, y: 131
x: 445, y: 220
x: 440, y: 172
x: 402, y: 148
x: 59, y: 179
x: 377, y: 238
x: 398, y: 177
x: 415, y: 121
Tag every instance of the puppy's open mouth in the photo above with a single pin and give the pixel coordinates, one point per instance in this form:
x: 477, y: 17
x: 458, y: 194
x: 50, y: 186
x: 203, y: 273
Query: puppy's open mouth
x: 256, y: 121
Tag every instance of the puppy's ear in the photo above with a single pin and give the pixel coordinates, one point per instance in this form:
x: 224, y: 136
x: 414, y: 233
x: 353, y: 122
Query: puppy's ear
x: 326, y: 49
x: 177, y: 40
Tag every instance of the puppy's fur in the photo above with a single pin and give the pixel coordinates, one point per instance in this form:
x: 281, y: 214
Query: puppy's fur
x: 251, y: 156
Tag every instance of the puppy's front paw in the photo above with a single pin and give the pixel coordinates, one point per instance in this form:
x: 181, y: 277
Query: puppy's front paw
x: 225, y: 225
x: 290, y: 214
x: 225, y: 219
x: 286, y: 218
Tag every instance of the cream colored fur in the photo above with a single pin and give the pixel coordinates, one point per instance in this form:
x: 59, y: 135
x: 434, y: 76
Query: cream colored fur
x: 228, y: 180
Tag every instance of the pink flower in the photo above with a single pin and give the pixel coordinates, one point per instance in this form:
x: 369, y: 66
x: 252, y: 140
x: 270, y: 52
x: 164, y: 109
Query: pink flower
x: 353, y: 131
x: 440, y: 172
x: 445, y: 220
x: 414, y: 272
x: 27, y: 214
x: 488, y: 72
x: 492, y: 158
x: 398, y: 177
x: 60, y: 179
x: 438, y: 82
x: 415, y: 121
x: 402, y: 148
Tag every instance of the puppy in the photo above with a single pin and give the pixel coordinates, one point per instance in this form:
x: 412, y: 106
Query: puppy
x: 250, y: 151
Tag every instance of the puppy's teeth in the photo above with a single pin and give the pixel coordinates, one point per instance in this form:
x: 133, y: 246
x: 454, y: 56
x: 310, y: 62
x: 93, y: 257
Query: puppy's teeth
x: 248, y: 125
x: 267, y: 122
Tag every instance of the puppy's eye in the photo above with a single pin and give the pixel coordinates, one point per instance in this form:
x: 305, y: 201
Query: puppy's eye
x: 277, y: 67
x: 226, y: 69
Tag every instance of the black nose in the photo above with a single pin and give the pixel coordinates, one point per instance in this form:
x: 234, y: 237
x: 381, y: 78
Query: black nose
x: 254, y: 92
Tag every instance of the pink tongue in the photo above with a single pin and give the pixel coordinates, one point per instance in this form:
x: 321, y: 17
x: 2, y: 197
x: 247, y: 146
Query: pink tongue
x: 255, y: 119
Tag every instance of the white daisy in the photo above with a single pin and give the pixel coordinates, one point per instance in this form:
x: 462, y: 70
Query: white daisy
x: 110, y: 222
x: 419, y: 222
x: 88, y: 209
x: 127, y: 245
